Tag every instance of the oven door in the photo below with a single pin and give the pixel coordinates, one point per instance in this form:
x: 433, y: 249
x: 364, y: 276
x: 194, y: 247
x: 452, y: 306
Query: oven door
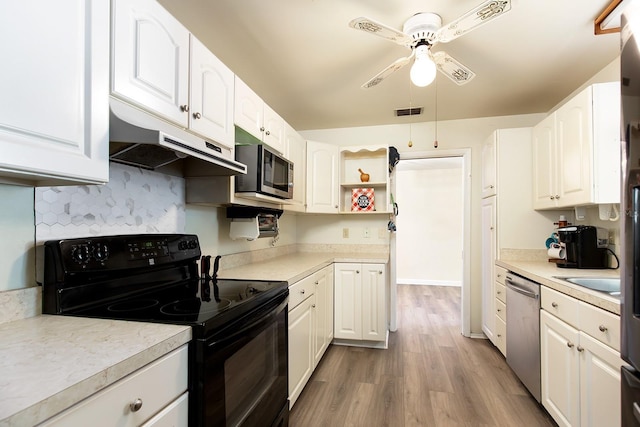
x: 240, y: 373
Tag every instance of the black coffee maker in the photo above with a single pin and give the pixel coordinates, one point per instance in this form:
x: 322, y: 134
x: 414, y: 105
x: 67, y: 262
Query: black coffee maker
x: 583, y: 247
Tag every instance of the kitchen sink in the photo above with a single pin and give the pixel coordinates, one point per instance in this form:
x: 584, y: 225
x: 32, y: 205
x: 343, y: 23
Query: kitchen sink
x: 608, y: 285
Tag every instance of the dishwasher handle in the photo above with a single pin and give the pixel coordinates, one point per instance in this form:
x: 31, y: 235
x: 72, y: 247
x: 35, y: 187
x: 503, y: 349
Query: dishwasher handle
x: 521, y: 290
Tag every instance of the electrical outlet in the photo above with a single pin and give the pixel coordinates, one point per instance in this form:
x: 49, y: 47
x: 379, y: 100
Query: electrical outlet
x: 366, y: 233
x: 345, y: 233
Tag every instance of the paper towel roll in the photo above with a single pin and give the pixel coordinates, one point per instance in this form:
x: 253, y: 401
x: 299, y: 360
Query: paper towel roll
x: 557, y: 252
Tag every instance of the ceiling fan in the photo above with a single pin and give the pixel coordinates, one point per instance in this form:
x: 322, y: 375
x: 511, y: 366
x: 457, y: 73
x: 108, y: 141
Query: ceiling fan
x: 421, y: 32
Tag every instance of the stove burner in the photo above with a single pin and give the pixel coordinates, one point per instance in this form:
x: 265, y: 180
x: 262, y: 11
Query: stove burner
x: 193, y: 306
x: 134, y: 305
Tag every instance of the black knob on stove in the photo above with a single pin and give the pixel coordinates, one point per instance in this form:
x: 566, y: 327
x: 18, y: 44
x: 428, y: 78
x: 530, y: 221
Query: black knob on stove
x: 81, y: 254
x: 101, y: 252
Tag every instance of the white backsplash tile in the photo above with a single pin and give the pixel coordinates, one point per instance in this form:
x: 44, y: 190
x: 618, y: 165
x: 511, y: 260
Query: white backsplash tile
x: 133, y: 201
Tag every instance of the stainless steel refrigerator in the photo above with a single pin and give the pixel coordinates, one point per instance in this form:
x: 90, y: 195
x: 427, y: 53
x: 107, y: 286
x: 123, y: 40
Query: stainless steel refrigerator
x: 630, y: 220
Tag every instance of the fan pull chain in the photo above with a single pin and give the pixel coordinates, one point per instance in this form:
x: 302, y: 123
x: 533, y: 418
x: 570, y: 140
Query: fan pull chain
x: 435, y: 142
x: 410, y: 144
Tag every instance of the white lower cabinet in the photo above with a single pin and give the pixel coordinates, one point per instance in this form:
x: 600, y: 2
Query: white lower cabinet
x: 360, y: 303
x: 155, y: 395
x: 580, y: 373
x: 310, y: 327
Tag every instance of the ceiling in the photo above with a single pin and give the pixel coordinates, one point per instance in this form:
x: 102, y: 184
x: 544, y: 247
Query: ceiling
x: 304, y: 60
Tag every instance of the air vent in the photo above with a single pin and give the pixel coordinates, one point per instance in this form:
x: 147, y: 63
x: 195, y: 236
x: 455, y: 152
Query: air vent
x: 414, y: 111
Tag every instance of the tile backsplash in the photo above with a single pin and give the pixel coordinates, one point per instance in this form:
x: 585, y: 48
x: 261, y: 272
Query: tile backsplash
x: 133, y: 201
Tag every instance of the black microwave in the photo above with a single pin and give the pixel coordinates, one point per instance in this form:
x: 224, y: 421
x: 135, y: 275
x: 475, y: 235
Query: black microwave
x: 268, y: 173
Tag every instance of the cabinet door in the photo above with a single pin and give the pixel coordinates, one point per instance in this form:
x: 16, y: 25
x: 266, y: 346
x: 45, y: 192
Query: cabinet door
x: 321, y: 322
x: 300, y: 348
x: 322, y: 177
x: 248, y: 109
x: 273, y: 134
x: 211, y: 112
x: 599, y: 383
x: 54, y: 118
x: 574, y: 145
x: 560, y: 371
x: 348, y: 301
x: 489, y: 164
x: 150, y: 59
x: 297, y: 153
x: 488, y: 215
x: 374, y: 308
x: 544, y: 164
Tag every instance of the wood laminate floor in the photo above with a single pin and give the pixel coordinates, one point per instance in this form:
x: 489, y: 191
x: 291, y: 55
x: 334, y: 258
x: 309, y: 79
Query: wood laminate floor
x: 430, y: 376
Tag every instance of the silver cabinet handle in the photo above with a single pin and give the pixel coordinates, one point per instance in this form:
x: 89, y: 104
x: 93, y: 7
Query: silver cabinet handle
x: 136, y: 405
x: 197, y: 115
x: 268, y: 133
x: 261, y: 128
x: 184, y: 108
x: 317, y: 282
x: 379, y: 271
x: 554, y: 304
x: 557, y: 197
x: 570, y: 344
x: 302, y: 292
x: 313, y: 306
x: 552, y: 197
x: 357, y: 271
x: 602, y: 328
x: 580, y: 349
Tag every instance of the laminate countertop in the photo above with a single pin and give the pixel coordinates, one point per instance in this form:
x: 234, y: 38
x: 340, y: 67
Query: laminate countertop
x: 547, y: 273
x: 294, y: 267
x: 49, y: 363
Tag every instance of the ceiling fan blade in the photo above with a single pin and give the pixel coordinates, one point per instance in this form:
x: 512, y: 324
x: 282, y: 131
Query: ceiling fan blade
x: 380, y: 30
x: 476, y: 17
x: 452, y: 68
x: 399, y: 63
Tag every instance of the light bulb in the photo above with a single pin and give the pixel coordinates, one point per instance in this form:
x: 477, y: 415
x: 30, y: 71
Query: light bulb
x: 423, y: 70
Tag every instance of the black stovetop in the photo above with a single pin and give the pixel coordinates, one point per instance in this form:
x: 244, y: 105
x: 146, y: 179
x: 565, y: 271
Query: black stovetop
x: 150, y: 278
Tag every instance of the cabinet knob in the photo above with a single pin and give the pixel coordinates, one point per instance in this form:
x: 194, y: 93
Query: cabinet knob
x: 580, y: 349
x: 557, y: 196
x: 313, y: 306
x: 317, y: 282
x: 357, y: 271
x: 499, y: 310
x: 302, y: 291
x: 499, y: 275
x: 554, y: 304
x: 136, y: 405
x: 336, y: 206
x: 379, y: 271
x: 491, y: 186
x: 602, y: 328
x: 498, y: 292
x: 268, y: 133
x: 490, y: 228
x: 184, y: 108
x: 570, y: 344
x: 261, y: 128
x: 197, y: 115
x: 499, y: 335
x: 552, y: 197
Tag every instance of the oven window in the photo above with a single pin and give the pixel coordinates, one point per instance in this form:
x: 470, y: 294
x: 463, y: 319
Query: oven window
x: 250, y: 373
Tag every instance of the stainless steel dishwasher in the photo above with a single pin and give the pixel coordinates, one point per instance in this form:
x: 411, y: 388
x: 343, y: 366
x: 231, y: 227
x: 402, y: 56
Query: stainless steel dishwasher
x: 523, y: 331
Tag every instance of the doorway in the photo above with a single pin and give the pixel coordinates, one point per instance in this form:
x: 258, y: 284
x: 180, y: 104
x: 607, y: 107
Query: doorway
x: 432, y: 244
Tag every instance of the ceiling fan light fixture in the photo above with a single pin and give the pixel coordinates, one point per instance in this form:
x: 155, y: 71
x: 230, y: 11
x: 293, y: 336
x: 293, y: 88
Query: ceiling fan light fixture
x: 423, y: 70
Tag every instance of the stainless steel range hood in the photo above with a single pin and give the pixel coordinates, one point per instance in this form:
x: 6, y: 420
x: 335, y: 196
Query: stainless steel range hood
x: 140, y: 139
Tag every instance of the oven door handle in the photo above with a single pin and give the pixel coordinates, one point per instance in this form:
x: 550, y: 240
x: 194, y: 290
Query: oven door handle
x: 263, y: 320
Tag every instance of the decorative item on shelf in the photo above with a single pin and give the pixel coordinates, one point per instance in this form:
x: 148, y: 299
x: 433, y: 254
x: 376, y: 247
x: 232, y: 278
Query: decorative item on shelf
x: 362, y: 200
x: 364, y: 177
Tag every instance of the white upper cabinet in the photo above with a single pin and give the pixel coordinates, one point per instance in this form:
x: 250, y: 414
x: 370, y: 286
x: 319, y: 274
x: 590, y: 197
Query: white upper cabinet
x: 254, y: 116
x: 489, y: 166
x: 322, y: 190
x: 159, y: 66
x: 54, y: 121
x: 577, y: 151
x: 212, y: 88
x: 297, y: 153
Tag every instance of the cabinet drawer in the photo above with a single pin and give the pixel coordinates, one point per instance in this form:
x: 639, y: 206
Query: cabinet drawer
x: 301, y: 290
x: 176, y: 414
x: 156, y: 385
x: 500, y: 274
x: 500, y: 337
x: 560, y: 305
x: 501, y: 310
x: 600, y: 324
x: 501, y: 292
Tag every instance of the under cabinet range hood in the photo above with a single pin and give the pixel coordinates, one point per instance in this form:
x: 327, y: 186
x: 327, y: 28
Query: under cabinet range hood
x: 140, y: 139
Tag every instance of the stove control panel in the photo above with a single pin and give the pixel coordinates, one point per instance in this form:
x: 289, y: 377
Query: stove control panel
x: 121, y: 252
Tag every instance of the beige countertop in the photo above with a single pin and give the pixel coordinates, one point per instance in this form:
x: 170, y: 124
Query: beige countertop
x: 296, y: 266
x: 545, y: 273
x: 49, y: 363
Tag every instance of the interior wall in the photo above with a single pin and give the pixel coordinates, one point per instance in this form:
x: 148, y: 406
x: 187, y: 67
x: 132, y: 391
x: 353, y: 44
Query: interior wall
x: 429, y: 193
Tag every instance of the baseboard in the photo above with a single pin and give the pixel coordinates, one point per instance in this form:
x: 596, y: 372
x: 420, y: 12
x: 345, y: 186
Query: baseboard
x: 428, y: 282
x: 363, y: 343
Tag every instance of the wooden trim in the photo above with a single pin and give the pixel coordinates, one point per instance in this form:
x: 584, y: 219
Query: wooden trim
x: 598, y: 21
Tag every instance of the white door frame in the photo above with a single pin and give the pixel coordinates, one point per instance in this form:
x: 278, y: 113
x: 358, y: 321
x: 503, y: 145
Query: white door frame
x: 465, y: 306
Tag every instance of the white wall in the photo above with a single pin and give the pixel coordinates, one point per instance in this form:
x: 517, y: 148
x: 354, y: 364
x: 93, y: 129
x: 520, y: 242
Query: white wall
x: 429, y: 193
